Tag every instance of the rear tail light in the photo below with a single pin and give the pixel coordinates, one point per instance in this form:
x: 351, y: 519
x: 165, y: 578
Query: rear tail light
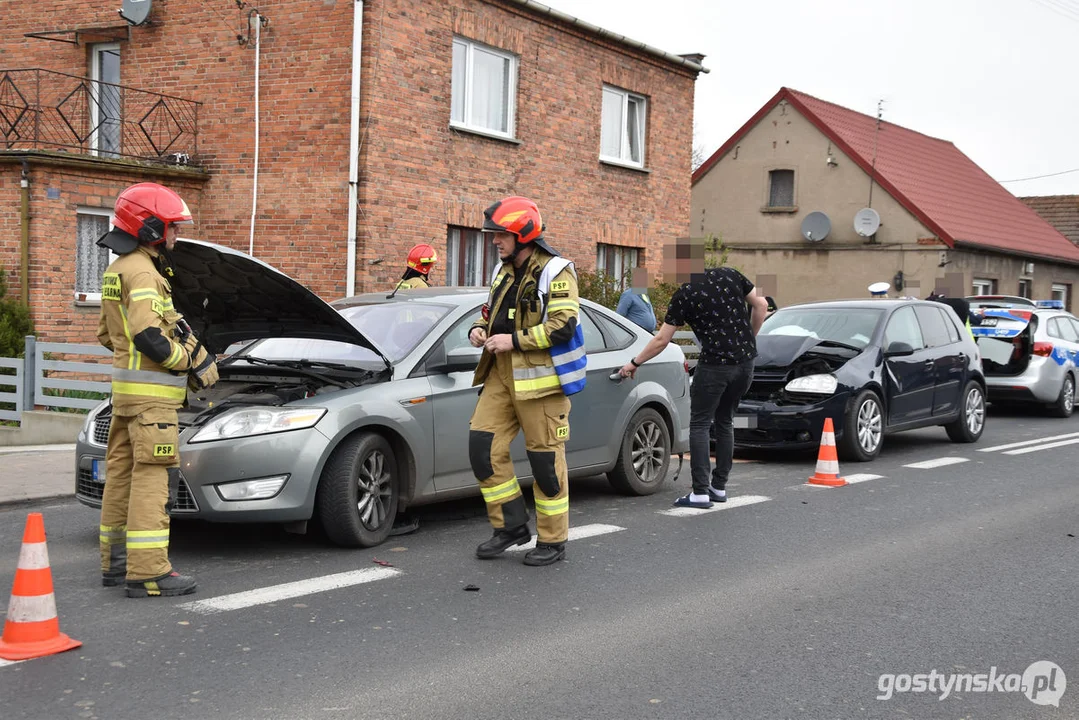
x: 685, y: 364
x: 1043, y: 349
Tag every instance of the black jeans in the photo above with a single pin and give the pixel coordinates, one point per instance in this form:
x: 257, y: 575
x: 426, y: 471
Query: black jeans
x: 714, y: 397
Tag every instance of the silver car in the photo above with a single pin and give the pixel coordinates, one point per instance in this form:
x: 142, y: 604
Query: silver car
x: 1030, y: 351
x: 355, y: 411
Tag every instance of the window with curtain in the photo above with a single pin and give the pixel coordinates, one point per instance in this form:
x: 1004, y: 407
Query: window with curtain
x: 105, y: 99
x: 471, y: 257
x: 90, y: 260
x: 484, y: 88
x: 984, y: 286
x: 622, y: 127
x: 616, y: 261
x: 781, y: 188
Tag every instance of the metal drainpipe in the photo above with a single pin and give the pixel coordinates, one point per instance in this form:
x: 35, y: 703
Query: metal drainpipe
x: 354, y: 149
x: 25, y: 240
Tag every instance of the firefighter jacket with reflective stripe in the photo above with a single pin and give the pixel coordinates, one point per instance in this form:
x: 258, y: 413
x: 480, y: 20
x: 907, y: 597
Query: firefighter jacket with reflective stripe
x: 545, y: 317
x: 138, y: 323
x: 412, y: 283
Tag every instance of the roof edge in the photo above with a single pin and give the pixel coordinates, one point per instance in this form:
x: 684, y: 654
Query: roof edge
x: 542, y: 9
x: 1017, y: 253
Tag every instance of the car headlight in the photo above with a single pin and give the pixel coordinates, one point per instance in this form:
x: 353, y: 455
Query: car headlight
x: 258, y: 421
x: 815, y: 384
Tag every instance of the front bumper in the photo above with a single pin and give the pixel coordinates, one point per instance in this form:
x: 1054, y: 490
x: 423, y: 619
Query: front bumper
x: 299, y: 454
x: 793, y: 426
x: 1040, y: 382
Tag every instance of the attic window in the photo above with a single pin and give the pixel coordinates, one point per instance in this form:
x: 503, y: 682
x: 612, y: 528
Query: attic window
x: 781, y: 188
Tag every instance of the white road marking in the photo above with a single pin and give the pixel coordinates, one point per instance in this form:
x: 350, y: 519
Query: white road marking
x: 939, y: 462
x: 4, y: 663
x: 575, y: 533
x: 737, y: 501
x: 1036, y: 448
x: 861, y: 477
x: 1028, y: 442
x: 285, y: 591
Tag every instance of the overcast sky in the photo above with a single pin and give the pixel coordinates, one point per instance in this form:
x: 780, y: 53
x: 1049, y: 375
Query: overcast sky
x: 998, y: 78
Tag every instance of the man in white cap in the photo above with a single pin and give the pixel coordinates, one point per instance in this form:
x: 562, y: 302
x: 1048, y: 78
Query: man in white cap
x: 879, y: 289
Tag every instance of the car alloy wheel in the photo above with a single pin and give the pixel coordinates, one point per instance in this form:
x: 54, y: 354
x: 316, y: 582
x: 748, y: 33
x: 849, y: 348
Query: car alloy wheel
x: 375, y: 489
x: 974, y: 410
x: 1069, y: 395
x: 648, y: 450
x: 869, y: 425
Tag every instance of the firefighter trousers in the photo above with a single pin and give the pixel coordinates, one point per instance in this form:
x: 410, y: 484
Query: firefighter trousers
x: 498, y: 417
x: 141, y: 474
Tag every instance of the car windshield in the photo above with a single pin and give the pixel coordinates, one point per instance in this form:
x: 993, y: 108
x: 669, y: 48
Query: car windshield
x: 395, y: 328
x: 847, y: 326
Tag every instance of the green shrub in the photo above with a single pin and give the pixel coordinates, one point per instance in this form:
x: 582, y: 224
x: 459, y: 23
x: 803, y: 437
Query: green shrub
x: 15, y: 322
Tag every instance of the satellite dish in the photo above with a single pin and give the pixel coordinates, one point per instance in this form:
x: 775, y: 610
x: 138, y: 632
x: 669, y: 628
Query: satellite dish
x: 816, y: 226
x: 866, y: 222
x: 136, y: 12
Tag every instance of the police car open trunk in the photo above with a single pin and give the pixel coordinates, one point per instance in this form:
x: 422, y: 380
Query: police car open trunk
x: 1005, y: 339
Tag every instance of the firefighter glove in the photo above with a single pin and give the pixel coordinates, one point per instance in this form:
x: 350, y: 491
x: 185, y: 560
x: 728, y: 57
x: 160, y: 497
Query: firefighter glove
x: 203, y: 372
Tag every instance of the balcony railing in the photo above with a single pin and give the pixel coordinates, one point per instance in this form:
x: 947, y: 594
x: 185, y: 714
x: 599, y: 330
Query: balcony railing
x: 46, y: 110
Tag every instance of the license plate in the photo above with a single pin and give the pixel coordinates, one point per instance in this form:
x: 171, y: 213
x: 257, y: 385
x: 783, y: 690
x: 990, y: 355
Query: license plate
x: 745, y: 422
x: 989, y: 322
x: 99, y: 471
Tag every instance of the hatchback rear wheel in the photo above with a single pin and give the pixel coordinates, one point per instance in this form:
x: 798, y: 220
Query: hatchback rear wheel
x: 357, y: 495
x: 968, y: 427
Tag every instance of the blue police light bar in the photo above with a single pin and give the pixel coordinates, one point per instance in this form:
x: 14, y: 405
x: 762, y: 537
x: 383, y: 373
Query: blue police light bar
x: 1050, y: 304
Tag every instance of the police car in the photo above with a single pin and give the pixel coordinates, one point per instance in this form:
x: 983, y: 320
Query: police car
x: 1030, y: 351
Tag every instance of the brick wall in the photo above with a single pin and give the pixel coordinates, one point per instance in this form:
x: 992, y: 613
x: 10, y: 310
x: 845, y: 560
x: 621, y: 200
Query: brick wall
x: 417, y: 175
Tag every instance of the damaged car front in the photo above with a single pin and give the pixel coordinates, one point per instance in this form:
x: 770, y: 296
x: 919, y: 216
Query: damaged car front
x: 811, y: 362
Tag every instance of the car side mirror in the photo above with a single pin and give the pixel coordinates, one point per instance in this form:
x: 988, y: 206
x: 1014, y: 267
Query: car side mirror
x: 898, y: 349
x: 463, y: 359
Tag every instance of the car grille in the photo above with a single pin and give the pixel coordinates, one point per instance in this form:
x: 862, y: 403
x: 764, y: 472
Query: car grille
x: 86, y: 488
x: 101, y: 429
x: 766, y: 385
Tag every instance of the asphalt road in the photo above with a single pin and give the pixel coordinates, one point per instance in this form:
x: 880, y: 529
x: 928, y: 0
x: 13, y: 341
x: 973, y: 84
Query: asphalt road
x: 789, y: 602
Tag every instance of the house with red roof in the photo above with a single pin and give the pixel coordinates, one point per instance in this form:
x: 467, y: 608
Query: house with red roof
x: 816, y: 201
x: 1060, y: 211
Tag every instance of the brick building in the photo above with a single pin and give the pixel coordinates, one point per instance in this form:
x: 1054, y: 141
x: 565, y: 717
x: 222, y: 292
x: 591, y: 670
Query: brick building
x: 455, y: 104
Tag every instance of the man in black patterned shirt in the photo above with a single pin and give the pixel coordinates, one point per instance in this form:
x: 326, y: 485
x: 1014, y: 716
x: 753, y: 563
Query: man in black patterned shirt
x: 725, y: 312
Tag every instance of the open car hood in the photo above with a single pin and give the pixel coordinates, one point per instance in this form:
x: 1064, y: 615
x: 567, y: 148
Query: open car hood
x: 783, y: 350
x: 228, y: 296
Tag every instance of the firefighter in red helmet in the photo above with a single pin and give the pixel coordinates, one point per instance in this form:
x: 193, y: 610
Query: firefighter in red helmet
x: 155, y: 360
x: 533, y: 360
x: 421, y: 259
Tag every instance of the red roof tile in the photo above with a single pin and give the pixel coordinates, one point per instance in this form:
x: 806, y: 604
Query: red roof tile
x: 1060, y: 211
x: 931, y: 178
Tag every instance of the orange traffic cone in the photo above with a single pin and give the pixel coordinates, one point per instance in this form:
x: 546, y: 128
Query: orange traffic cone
x: 32, y: 628
x: 827, y: 461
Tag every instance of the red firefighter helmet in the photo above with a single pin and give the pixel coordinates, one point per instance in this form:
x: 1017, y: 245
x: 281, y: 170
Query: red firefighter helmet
x: 422, y: 258
x: 146, y: 210
x: 517, y: 215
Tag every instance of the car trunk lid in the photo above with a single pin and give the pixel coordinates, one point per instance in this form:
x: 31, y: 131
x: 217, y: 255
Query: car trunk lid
x: 1005, y: 338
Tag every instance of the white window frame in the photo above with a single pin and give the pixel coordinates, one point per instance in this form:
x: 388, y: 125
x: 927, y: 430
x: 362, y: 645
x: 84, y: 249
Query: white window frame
x: 1059, y: 291
x: 624, y: 145
x: 466, y: 123
x: 984, y: 286
x: 90, y: 298
x: 622, y: 253
x: 95, y: 76
x: 478, y: 251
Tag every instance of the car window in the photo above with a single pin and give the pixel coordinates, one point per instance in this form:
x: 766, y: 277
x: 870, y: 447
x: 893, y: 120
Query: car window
x: 457, y: 337
x: 1052, y: 328
x: 1075, y: 325
x: 1067, y: 330
x: 934, y: 331
x: 617, y: 336
x: 950, y: 323
x: 593, y: 338
x: 903, y: 327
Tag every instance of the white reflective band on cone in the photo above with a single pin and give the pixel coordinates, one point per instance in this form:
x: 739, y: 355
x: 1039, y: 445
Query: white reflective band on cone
x: 829, y: 467
x: 33, y: 608
x: 827, y: 438
x: 33, y: 556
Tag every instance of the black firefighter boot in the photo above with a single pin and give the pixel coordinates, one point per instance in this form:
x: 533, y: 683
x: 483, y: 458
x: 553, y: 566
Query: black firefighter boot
x: 503, y: 538
x: 165, y: 586
x: 545, y: 554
